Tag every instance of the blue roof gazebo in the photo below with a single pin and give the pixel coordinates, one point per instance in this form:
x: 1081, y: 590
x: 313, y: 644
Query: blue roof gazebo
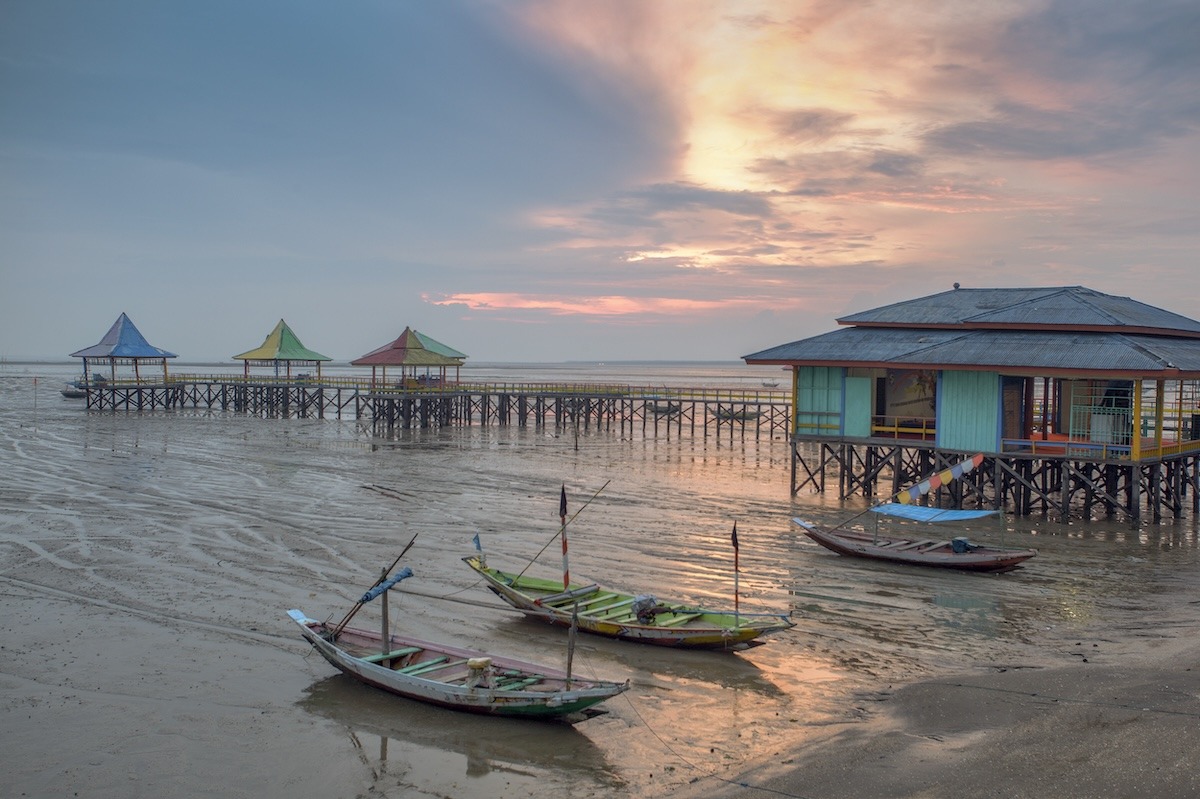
x: 123, y: 344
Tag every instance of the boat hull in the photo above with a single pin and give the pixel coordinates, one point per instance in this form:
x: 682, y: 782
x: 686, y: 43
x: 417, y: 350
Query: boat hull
x: 552, y: 696
x: 937, y: 554
x: 609, y: 613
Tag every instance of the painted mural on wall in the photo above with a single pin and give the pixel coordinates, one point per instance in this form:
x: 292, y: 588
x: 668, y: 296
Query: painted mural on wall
x: 912, y: 393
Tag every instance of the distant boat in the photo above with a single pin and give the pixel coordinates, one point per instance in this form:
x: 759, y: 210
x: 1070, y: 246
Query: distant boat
x: 770, y: 384
x: 666, y: 409
x: 735, y: 414
x: 79, y: 387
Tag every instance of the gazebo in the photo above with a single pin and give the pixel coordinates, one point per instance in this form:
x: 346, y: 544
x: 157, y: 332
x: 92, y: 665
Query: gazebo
x: 281, y: 347
x: 413, y: 351
x: 123, y: 344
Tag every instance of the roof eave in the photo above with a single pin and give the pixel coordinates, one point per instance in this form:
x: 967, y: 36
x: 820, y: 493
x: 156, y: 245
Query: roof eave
x: 1124, y: 329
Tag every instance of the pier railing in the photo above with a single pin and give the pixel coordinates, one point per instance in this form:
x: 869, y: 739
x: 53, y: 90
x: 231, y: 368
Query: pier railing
x: 409, y: 386
x: 407, y: 403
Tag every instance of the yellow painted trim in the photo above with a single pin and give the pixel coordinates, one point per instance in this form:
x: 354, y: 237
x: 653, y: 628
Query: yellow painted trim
x: 1135, y: 444
x: 1159, y: 396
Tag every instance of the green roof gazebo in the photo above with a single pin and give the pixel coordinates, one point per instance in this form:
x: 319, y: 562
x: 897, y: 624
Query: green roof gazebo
x: 282, y: 347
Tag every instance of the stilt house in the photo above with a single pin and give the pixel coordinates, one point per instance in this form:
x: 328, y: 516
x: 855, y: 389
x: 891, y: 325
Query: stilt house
x: 1078, y: 398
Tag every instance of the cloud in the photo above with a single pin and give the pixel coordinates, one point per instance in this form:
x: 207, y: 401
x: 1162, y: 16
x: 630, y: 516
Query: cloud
x: 583, y: 306
x: 666, y: 166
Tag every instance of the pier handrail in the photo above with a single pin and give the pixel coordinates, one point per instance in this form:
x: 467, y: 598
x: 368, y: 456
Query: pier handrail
x: 364, y: 384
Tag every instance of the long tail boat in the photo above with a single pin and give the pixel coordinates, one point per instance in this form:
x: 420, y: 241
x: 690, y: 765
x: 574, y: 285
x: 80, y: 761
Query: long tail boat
x: 641, y: 618
x: 451, y: 676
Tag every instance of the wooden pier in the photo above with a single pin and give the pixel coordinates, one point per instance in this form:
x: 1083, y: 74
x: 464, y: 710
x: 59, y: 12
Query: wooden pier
x: 652, y: 411
x: 1083, y: 484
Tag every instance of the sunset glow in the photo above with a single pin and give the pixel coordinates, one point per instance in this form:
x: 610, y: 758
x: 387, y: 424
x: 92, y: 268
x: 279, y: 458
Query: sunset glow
x: 766, y: 165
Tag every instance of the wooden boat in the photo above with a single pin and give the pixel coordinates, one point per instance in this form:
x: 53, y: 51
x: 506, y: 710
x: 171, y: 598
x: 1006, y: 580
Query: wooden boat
x: 957, y: 553
x: 639, y: 618
x: 451, y: 676
x: 76, y: 389
x: 735, y: 414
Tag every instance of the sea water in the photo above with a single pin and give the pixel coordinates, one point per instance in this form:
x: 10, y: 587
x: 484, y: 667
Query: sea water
x: 148, y: 559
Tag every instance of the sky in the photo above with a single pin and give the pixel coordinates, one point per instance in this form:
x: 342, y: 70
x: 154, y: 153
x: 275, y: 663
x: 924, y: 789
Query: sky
x: 579, y: 180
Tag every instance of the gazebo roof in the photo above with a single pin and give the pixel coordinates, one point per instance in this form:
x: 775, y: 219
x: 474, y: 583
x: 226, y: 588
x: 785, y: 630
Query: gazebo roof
x: 123, y: 340
x: 281, y: 344
x: 412, y: 349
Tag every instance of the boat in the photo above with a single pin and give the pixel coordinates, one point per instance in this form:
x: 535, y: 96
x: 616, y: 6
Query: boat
x: 956, y: 553
x: 947, y: 553
x: 451, y: 676
x: 640, y: 618
x: 666, y: 409
x: 78, y: 388
x: 735, y: 414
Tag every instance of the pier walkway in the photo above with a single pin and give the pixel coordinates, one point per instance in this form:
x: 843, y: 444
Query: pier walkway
x: 654, y: 410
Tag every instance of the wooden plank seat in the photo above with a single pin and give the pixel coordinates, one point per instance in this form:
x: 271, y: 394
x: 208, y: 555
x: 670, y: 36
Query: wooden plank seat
x: 612, y: 610
x: 427, y: 665
x: 915, y: 545
x: 597, y: 599
x: 680, y: 619
x: 396, y: 653
x: 568, y: 597
x: 517, y: 684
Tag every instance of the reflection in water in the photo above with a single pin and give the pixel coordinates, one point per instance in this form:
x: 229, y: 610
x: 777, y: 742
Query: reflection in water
x: 412, y: 735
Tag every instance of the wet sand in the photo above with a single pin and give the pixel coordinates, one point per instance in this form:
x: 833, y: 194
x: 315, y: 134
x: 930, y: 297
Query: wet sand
x: 147, y: 563
x: 1118, y: 721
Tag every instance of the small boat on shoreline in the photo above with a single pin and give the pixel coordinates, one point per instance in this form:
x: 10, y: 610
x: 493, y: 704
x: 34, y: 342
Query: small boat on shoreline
x: 628, y: 617
x: 452, y: 676
x: 954, y: 553
x: 957, y: 553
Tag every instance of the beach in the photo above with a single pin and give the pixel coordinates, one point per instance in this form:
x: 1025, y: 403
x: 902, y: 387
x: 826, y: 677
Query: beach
x: 148, y: 561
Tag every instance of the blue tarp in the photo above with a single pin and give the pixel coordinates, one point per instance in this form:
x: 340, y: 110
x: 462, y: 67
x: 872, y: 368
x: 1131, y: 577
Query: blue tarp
x: 921, y: 513
x: 403, y: 574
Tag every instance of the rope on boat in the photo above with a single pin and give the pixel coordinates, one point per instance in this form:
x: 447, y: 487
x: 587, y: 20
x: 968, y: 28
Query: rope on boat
x: 564, y: 527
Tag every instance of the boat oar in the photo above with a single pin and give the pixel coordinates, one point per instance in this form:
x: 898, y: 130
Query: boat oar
x: 337, y: 630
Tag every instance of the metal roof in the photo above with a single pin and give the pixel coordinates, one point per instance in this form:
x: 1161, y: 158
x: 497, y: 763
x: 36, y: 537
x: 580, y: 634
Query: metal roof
x: 281, y: 344
x: 1028, y: 308
x: 1067, y: 329
x: 123, y: 340
x: 411, y: 349
x: 1001, y: 350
